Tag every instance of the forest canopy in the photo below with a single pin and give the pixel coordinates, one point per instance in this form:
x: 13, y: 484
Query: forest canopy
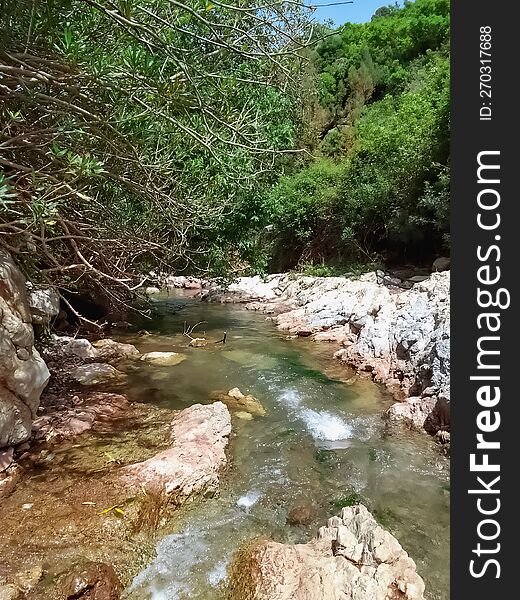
x: 215, y: 138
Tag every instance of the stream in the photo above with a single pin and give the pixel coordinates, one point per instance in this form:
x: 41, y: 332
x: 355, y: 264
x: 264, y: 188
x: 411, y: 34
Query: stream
x: 321, y: 446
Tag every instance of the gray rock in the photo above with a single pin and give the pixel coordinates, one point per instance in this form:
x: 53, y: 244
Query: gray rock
x: 44, y: 303
x: 23, y: 374
x: 443, y: 263
x: 80, y: 347
x: 96, y: 373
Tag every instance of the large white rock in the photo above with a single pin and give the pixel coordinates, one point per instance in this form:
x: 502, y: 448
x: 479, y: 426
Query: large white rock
x: 163, y: 359
x: 23, y: 374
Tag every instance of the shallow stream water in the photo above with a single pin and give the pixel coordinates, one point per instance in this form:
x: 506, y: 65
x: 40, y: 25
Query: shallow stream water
x: 321, y: 446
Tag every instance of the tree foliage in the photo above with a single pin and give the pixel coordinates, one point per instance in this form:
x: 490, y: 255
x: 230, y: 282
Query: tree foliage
x: 385, y: 136
x: 130, y: 129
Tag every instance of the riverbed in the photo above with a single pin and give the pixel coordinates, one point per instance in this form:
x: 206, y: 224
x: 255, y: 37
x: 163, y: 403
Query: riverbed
x: 322, y: 445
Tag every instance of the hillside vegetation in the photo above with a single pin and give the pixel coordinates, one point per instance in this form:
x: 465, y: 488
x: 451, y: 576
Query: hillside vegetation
x: 212, y: 138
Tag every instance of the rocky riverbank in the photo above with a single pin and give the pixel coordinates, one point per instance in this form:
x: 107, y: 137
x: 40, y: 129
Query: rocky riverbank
x: 397, y: 331
x: 88, y: 479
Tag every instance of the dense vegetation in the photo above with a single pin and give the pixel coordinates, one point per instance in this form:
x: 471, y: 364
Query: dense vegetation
x: 217, y: 138
x: 378, y: 187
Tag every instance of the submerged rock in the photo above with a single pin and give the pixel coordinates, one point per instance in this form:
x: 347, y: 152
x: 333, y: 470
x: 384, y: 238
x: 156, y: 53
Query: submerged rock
x: 95, y: 581
x: 96, y: 373
x: 301, y: 515
x: 243, y: 415
x: 81, y: 416
x: 192, y: 465
x: 163, y: 359
x: 352, y: 558
x: 23, y: 374
x: 235, y: 400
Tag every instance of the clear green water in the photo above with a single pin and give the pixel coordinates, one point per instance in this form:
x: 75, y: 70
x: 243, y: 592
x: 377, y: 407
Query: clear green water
x: 322, y: 444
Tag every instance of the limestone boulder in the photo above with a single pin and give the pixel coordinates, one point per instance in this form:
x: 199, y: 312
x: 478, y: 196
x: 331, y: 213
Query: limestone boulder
x: 193, y: 463
x: 163, y: 359
x: 23, y: 373
x: 352, y: 558
x: 96, y: 373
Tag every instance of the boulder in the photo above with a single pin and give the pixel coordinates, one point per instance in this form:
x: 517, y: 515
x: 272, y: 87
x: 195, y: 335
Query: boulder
x: 96, y: 373
x: 151, y: 290
x: 236, y: 401
x: 44, y: 303
x: 23, y: 374
x: 192, y: 465
x: 443, y: 263
x: 107, y: 349
x: 412, y: 412
x: 352, y: 558
x: 163, y: 359
x: 80, y: 347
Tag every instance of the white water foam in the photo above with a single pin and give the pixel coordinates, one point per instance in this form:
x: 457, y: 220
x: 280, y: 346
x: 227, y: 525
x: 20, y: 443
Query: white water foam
x: 249, y: 499
x: 324, y: 426
x: 292, y: 398
x: 218, y: 574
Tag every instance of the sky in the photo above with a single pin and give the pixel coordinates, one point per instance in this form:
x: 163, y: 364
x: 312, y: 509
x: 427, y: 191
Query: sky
x: 358, y: 12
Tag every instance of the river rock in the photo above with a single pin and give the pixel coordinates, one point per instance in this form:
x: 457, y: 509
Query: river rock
x: 81, y: 416
x: 163, y: 359
x: 192, y: 465
x: 301, y: 515
x: 442, y: 263
x: 107, y: 349
x: 235, y: 400
x: 95, y: 581
x: 352, y: 558
x: 152, y: 290
x: 44, y: 303
x: 96, y: 373
x: 243, y: 415
x: 80, y: 347
x: 23, y: 374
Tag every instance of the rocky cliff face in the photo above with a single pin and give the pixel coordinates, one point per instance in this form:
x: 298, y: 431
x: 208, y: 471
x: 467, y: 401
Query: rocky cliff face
x: 352, y: 558
x: 23, y: 374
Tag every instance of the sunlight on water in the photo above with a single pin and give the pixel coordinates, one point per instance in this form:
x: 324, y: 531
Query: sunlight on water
x: 321, y: 444
x: 249, y: 499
